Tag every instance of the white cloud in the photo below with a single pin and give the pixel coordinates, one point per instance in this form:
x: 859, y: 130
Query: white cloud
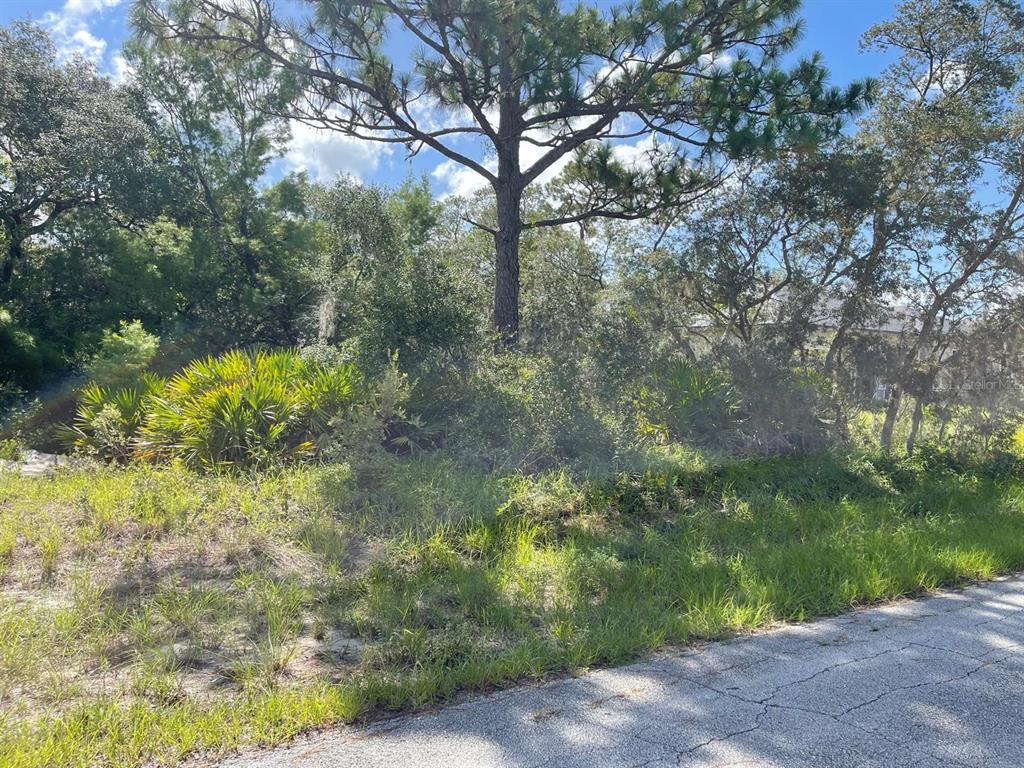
x: 459, y: 180
x: 325, y: 153
x: 84, y: 42
x: 716, y: 60
x: 120, y: 69
x: 638, y: 155
x: 69, y: 28
x: 84, y: 7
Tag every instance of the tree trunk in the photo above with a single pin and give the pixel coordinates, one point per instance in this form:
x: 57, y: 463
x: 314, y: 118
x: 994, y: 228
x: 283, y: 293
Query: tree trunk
x: 7, y: 268
x: 841, y: 424
x: 506, y: 272
x: 943, y: 427
x: 13, y: 253
x: 834, y: 350
x: 246, y: 253
x: 915, y: 424
x: 508, y: 189
x: 891, y: 412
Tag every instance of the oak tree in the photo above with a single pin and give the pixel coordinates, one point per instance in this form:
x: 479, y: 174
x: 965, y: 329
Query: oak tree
x: 69, y: 140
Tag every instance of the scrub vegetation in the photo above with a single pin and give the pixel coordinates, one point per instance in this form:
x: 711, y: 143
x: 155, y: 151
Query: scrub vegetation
x: 707, y: 344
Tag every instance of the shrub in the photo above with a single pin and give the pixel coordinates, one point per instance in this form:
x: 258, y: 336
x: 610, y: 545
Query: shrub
x: 780, y: 404
x: 747, y: 401
x: 1016, y: 442
x: 421, y: 309
x: 27, y: 361
x: 515, y: 410
x: 692, y: 403
x: 108, y: 420
x: 123, y: 355
x: 9, y: 450
x: 247, y: 409
x: 378, y: 421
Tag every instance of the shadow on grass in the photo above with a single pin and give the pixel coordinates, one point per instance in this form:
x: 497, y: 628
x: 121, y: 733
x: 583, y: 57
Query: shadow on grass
x: 922, y: 683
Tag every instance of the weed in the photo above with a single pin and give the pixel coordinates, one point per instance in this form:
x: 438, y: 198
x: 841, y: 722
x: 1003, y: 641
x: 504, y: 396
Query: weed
x: 49, y: 552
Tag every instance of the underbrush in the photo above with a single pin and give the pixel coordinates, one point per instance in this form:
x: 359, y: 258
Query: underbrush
x: 148, y: 613
x: 252, y: 408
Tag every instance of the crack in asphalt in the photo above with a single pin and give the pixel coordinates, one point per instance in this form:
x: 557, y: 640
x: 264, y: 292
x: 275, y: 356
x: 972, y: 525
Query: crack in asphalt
x: 628, y: 712
x: 767, y: 704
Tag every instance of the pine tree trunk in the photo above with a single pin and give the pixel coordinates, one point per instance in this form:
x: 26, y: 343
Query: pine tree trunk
x: 508, y: 190
x: 506, y: 273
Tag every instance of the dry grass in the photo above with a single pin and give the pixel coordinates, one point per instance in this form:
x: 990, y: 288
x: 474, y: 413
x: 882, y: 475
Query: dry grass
x: 155, y: 584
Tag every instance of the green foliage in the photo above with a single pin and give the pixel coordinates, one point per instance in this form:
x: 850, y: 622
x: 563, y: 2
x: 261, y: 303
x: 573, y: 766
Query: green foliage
x: 748, y: 401
x: 378, y: 422
x: 413, y: 207
x: 9, y: 450
x: 108, y: 419
x: 70, y: 141
x: 1015, y: 444
x: 417, y: 309
x: 27, y: 361
x: 516, y: 410
x: 102, y: 276
x: 561, y: 285
x: 692, y: 403
x: 123, y: 356
x: 250, y: 240
x: 247, y: 409
x: 781, y: 405
x: 562, y: 61
x: 384, y: 287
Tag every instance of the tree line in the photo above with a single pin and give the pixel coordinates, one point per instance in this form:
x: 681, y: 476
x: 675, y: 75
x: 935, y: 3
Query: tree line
x: 871, y: 233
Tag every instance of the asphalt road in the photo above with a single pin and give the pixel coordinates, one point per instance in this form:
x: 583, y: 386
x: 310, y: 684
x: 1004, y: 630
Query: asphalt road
x: 924, y: 683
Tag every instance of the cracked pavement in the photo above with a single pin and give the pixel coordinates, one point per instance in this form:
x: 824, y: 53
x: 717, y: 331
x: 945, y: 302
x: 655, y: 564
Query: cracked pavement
x: 932, y: 682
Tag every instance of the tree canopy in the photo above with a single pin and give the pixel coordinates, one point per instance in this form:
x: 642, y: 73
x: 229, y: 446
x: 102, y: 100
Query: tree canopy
x: 69, y: 139
x: 537, y: 83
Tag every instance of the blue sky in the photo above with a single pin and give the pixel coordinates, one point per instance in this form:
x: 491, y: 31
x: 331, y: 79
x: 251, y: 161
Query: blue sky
x: 97, y: 28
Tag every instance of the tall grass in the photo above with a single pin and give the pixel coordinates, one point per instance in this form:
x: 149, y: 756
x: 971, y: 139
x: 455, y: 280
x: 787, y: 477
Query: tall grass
x: 257, y: 607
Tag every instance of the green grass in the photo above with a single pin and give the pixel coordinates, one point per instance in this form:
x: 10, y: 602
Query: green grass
x: 147, y: 614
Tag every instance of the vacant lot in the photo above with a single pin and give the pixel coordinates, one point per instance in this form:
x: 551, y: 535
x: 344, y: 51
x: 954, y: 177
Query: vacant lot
x: 149, y: 613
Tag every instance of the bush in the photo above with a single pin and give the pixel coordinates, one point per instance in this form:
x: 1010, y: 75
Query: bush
x: 692, y: 403
x: 27, y: 362
x: 244, y: 409
x: 123, y: 356
x: 420, y: 309
x: 9, y: 450
x: 528, y: 412
x: 247, y: 409
x: 749, y: 401
x: 108, y: 420
x: 780, y: 404
x: 1015, y: 443
x: 379, y: 421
